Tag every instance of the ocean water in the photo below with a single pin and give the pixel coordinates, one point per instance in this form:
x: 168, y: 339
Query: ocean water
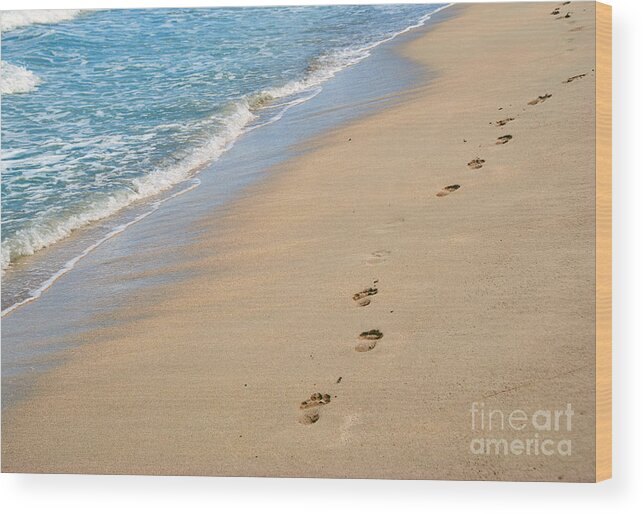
x: 105, y: 110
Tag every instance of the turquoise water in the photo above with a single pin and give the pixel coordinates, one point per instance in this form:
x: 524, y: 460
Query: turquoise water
x: 102, y: 109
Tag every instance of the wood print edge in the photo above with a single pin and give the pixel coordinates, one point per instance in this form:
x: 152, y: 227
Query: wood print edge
x: 603, y: 242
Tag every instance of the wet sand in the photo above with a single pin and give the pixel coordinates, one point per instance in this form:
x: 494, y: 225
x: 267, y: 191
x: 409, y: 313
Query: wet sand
x: 349, y: 309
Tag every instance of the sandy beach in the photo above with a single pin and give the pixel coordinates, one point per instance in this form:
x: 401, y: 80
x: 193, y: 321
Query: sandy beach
x: 429, y: 256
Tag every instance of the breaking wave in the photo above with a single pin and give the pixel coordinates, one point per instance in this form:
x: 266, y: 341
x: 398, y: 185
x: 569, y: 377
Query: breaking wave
x: 16, y: 79
x: 11, y: 20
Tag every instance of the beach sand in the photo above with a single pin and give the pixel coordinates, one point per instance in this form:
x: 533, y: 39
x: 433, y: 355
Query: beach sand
x: 484, y: 292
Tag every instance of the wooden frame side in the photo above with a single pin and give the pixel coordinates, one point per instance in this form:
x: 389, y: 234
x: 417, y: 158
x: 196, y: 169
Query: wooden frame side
x: 603, y: 242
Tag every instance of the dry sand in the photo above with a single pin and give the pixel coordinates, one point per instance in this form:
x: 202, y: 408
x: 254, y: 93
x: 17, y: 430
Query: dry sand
x: 484, y: 294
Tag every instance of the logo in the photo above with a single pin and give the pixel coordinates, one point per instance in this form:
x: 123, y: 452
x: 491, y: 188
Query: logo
x: 518, y: 432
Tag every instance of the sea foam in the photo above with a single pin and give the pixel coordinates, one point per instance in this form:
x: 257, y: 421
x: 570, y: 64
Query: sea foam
x: 40, y: 233
x: 11, y: 20
x: 16, y: 79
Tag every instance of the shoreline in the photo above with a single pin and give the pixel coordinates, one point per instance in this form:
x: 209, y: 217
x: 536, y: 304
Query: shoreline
x: 207, y: 376
x: 65, y: 252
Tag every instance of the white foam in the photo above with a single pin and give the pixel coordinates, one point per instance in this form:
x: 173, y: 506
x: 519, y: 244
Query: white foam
x: 69, y: 265
x: 11, y: 20
x: 16, y: 79
x: 41, y: 234
x: 160, y: 180
x: 328, y: 66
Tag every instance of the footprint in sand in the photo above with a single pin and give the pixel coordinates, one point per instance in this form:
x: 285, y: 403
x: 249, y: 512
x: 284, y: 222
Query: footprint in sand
x: 575, y: 77
x: 313, y: 403
x: 378, y: 257
x: 365, y: 346
x: 315, y: 400
x: 476, y: 164
x: 369, y: 340
x: 362, y: 298
x: 308, y: 418
x: 502, y: 123
x: 504, y: 139
x: 540, y: 99
x: 556, y: 12
x: 448, y: 189
x: 371, y: 335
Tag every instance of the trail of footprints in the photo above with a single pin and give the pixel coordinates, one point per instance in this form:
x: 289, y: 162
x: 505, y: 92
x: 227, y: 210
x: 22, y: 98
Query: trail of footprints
x: 368, y: 339
x: 477, y: 162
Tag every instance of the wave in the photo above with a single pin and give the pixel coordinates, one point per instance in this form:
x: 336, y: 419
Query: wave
x: 16, y: 79
x: 43, y: 233
x: 11, y: 20
x: 69, y: 265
